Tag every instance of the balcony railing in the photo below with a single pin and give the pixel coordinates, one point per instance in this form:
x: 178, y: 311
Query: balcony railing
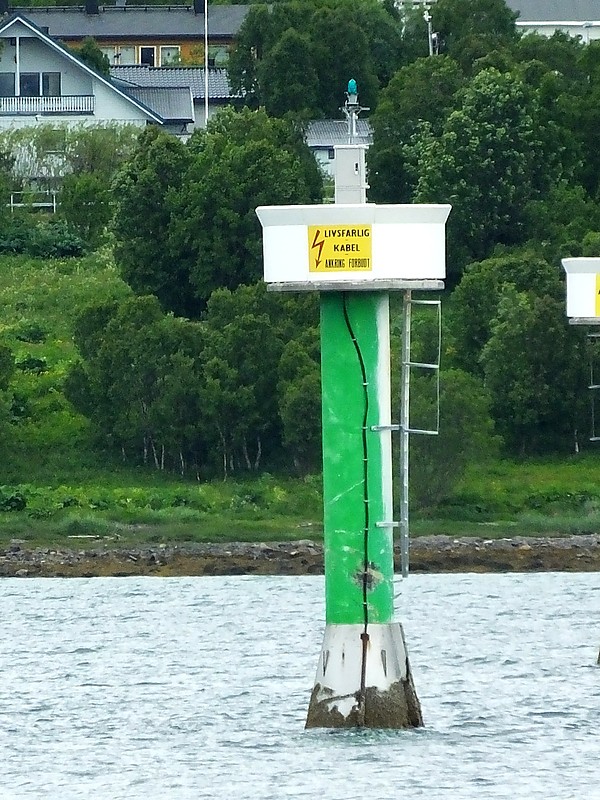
x: 33, y: 200
x: 69, y: 104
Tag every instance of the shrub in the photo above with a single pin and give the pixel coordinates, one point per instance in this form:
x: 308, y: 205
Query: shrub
x: 55, y: 239
x: 43, y: 238
x: 85, y: 526
x: 32, y: 364
x: 15, y: 234
x: 11, y: 499
x: 31, y: 331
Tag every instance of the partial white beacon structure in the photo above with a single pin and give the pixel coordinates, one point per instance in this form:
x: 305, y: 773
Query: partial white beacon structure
x: 583, y: 290
x: 353, y: 246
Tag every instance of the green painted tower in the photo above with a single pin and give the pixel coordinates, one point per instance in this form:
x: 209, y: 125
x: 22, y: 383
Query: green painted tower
x: 356, y: 458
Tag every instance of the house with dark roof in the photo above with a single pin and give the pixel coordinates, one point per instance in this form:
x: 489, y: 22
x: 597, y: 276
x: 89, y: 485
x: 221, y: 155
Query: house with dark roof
x: 174, y: 105
x: 154, y: 36
x: 41, y: 81
x: 136, y: 78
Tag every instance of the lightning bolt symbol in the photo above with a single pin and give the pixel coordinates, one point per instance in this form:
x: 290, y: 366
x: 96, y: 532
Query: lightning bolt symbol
x: 318, y: 244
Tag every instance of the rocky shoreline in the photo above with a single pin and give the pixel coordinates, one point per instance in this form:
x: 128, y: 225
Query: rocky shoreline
x: 579, y: 553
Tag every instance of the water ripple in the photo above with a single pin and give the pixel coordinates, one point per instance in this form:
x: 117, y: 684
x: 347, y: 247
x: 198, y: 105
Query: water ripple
x: 191, y: 688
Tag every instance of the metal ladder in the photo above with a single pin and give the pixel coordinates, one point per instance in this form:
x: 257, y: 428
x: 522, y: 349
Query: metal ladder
x: 405, y: 430
x: 593, y: 386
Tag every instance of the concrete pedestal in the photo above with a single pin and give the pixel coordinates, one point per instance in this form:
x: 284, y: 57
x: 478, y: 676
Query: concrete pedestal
x: 364, y: 680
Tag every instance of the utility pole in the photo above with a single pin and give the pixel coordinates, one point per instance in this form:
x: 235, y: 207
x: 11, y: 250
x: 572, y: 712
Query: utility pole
x: 433, y: 38
x: 427, y: 18
x: 206, y: 87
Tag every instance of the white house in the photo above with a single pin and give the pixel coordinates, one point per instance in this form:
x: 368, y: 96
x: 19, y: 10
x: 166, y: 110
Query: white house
x: 42, y: 81
x: 577, y: 18
x: 323, y: 134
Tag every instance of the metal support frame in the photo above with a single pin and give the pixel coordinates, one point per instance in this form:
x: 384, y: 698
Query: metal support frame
x: 404, y: 427
x: 404, y: 430
x: 593, y: 386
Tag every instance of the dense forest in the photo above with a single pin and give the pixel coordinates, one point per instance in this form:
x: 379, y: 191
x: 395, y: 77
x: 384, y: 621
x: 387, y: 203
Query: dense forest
x: 192, y: 367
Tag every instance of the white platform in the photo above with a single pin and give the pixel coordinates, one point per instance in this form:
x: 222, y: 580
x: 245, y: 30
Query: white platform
x: 353, y: 244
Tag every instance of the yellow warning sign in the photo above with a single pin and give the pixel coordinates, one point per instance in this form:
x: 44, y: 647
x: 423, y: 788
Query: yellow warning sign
x: 339, y: 248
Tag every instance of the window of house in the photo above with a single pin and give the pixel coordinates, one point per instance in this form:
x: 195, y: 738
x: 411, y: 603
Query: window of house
x: 170, y: 54
x: 29, y: 84
x: 126, y: 55
x: 147, y: 55
x: 7, y: 84
x: 50, y: 84
x: 218, y: 55
x: 331, y: 154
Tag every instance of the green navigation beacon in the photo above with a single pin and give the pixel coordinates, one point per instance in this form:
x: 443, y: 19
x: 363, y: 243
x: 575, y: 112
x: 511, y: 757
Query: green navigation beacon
x: 354, y: 254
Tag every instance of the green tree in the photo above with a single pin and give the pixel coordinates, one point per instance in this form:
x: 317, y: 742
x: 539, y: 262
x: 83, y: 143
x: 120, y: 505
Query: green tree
x: 185, y: 216
x: 341, y: 51
x: 591, y: 245
x: 248, y: 331
x: 92, y: 55
x: 85, y: 203
x: 243, y: 160
x: 489, y: 161
x: 100, y: 149
x: 251, y: 44
x: 580, y: 100
x: 241, y: 355
x: 553, y: 68
x: 358, y: 39
x: 466, y: 435
x: 141, y: 382
x: 423, y: 91
x: 475, y: 300
x: 557, y: 223
x: 299, y: 399
x: 415, y: 42
x: 470, y: 29
x: 288, y: 77
x: 533, y: 364
x: 144, y: 192
x: 382, y: 25
x: 560, y: 53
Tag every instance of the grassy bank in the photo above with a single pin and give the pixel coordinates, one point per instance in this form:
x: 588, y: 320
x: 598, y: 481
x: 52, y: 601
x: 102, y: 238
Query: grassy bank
x: 55, y: 490
x: 125, y: 507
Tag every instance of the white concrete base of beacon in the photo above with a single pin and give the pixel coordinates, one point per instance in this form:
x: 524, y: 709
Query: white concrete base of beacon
x: 364, y: 681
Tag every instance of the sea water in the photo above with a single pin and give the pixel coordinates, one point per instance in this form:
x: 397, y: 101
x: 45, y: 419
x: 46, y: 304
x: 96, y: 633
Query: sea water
x: 173, y: 688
